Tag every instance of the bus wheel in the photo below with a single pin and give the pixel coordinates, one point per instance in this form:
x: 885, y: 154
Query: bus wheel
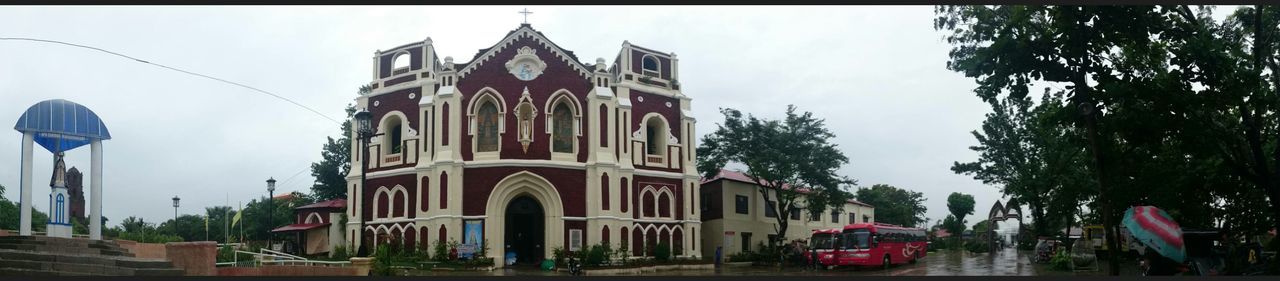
x: 916, y: 258
x: 886, y: 262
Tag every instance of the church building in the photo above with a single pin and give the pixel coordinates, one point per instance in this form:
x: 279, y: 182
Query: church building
x: 524, y: 149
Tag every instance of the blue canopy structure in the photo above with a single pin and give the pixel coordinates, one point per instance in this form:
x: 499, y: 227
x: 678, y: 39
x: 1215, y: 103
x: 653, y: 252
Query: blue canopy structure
x: 60, y: 125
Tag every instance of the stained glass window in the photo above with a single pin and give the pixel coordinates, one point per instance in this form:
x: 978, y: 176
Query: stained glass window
x: 562, y: 132
x: 487, y: 128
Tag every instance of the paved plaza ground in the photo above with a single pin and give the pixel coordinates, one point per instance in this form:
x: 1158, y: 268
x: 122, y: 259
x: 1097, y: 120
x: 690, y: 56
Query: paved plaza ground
x: 1008, y: 262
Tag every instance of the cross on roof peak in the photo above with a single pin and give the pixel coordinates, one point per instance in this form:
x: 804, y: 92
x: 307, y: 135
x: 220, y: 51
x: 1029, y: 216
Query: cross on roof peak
x: 526, y: 13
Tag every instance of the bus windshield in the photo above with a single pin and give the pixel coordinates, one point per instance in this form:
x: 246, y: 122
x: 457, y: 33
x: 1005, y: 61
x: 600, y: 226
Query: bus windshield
x: 859, y: 238
x: 821, y: 241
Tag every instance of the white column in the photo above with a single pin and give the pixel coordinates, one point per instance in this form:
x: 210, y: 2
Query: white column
x: 24, y: 221
x: 95, y: 186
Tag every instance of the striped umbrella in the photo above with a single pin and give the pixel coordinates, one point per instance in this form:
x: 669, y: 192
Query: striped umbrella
x: 1155, y: 229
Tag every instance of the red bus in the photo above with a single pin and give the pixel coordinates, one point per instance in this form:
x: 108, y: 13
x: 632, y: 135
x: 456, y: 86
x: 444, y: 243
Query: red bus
x: 823, y: 242
x: 875, y: 244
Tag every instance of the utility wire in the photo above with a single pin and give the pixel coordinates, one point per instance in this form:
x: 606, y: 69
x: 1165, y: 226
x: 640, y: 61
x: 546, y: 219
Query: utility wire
x: 171, y: 68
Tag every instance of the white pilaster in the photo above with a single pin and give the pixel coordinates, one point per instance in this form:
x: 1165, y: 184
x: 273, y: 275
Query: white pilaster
x: 95, y: 186
x: 24, y: 226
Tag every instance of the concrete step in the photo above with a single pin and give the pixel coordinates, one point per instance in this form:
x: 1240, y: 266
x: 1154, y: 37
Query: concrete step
x: 63, y: 249
x: 124, y: 262
x: 61, y: 242
x: 32, y: 272
x: 87, y: 268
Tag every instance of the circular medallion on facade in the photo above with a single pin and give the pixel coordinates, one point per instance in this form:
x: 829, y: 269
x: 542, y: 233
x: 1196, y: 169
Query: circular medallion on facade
x: 413, y: 95
x: 375, y: 103
x: 668, y: 104
x: 640, y: 99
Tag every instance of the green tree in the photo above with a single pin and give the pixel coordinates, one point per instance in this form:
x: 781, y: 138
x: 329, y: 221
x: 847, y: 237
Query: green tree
x: 331, y: 172
x: 780, y: 155
x: 260, y: 217
x: 1007, y: 48
x: 960, y: 205
x: 895, y: 205
x: 188, y: 227
x: 219, y: 218
x: 10, y: 213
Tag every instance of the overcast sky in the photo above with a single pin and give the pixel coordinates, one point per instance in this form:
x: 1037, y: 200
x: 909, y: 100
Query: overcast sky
x: 876, y: 74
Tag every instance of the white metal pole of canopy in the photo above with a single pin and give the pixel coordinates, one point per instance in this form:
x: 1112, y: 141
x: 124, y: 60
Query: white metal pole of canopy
x: 59, y: 125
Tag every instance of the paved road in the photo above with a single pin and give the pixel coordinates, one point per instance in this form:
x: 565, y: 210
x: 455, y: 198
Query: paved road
x: 1008, y: 262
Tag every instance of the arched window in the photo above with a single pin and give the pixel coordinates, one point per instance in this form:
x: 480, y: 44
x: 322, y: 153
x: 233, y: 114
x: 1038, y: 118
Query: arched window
x: 383, y: 205
x: 444, y: 125
x: 444, y: 190
x: 604, y: 235
x: 604, y: 191
x: 444, y: 233
x: 650, y: 65
x: 58, y: 215
x: 392, y: 141
x: 487, y: 127
x: 400, y: 63
x: 647, y: 209
x: 664, y: 205
x: 562, y: 133
x: 604, y: 126
x: 624, y: 194
x: 397, y: 204
x: 656, y: 136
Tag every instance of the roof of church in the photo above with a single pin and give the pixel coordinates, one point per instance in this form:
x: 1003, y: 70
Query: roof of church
x: 335, y: 203
x: 740, y: 176
x: 479, y: 56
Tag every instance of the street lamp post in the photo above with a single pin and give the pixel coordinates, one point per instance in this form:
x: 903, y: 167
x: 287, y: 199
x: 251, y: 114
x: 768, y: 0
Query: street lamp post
x: 176, y: 210
x: 364, y: 131
x: 271, y: 194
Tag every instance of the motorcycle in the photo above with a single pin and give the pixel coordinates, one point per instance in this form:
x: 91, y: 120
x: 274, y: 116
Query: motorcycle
x: 575, y: 268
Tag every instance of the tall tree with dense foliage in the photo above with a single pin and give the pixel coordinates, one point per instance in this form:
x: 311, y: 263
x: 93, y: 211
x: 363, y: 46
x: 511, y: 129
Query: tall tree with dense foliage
x: 331, y: 172
x: 895, y: 205
x: 781, y: 156
x: 260, y: 216
x: 960, y: 205
x: 1007, y: 48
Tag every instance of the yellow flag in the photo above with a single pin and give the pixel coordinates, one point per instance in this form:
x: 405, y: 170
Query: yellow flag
x: 236, y: 219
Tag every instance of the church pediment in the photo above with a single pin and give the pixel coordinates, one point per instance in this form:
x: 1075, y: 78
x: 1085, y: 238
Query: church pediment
x: 525, y: 31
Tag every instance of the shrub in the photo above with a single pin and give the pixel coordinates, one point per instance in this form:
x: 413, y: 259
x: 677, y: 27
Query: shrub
x: 440, y: 251
x: 621, y: 254
x: 340, y: 253
x: 977, y: 247
x: 558, y: 255
x: 742, y: 256
x: 662, y: 252
x: 1060, y: 261
x: 226, y: 254
x: 598, y: 255
x: 382, y: 259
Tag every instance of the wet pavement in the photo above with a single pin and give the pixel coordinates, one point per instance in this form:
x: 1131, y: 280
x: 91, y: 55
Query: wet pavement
x: 1008, y: 262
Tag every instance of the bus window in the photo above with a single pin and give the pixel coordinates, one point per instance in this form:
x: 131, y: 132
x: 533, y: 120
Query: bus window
x: 859, y: 239
x: 821, y: 241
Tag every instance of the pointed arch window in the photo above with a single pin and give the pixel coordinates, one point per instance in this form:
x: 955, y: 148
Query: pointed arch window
x: 562, y: 132
x: 487, y: 127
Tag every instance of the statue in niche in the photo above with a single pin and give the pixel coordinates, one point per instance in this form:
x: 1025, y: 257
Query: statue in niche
x: 524, y: 114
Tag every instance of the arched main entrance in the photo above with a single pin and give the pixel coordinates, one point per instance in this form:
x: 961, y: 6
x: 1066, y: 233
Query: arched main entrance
x: 508, y: 194
x: 525, y: 229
